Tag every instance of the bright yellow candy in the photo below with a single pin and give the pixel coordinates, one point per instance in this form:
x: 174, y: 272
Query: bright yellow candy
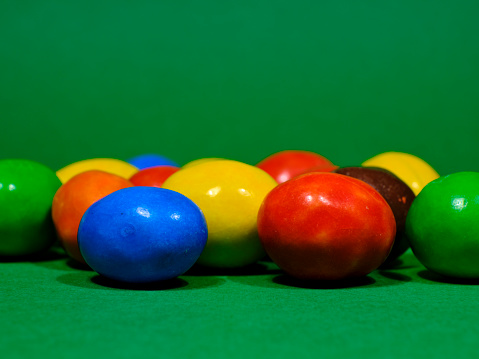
x: 412, y: 170
x: 229, y: 193
x: 110, y: 165
x: 199, y: 161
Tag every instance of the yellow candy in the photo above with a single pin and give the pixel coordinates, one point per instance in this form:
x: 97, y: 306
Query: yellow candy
x: 229, y: 193
x: 110, y: 165
x: 412, y: 170
x: 199, y: 161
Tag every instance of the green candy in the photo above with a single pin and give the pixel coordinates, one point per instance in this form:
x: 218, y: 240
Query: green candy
x: 26, y: 194
x: 443, y: 225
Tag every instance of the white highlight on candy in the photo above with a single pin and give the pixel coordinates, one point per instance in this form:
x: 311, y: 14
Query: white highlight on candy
x: 244, y: 192
x: 143, y: 212
x: 459, y: 203
x: 213, y: 191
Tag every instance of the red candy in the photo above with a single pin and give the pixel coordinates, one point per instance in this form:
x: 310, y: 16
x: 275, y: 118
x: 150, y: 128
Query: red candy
x: 153, y: 176
x: 285, y: 165
x: 326, y: 226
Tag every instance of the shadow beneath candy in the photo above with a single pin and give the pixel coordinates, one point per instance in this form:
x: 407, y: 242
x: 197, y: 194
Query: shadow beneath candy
x: 394, y: 276
x: 286, y: 280
x: 51, y: 254
x: 63, y: 263
x: 77, y: 265
x: 406, y: 261
x: 174, y: 283
x: 250, y: 270
x: 435, y: 277
x: 399, y: 265
x: 92, y: 280
x: 392, y: 265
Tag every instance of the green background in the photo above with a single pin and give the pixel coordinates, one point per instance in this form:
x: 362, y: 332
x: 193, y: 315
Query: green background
x: 241, y: 80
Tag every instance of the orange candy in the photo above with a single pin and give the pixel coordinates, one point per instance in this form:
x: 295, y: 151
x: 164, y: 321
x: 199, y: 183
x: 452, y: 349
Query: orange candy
x: 72, y: 200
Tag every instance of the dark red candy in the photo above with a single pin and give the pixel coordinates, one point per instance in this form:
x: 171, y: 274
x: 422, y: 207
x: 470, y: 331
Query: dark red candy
x: 396, y: 193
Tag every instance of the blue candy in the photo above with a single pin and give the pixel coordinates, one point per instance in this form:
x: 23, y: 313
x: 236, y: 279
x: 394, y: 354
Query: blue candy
x: 151, y: 160
x: 142, y: 235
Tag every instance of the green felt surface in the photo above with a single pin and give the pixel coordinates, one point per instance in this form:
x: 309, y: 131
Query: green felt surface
x: 51, y: 309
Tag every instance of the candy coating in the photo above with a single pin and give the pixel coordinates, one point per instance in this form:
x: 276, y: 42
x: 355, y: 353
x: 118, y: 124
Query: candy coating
x: 199, y: 161
x: 229, y: 193
x: 151, y: 160
x: 285, y: 165
x: 110, y: 165
x: 74, y: 198
x: 396, y: 193
x: 142, y: 235
x: 443, y: 225
x: 412, y: 170
x: 26, y: 193
x: 153, y: 176
x: 326, y: 226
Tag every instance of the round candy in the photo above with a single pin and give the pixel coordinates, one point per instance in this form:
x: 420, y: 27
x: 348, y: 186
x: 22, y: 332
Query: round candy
x: 285, y: 165
x: 73, y: 199
x: 110, y: 165
x: 229, y: 193
x: 153, y: 176
x: 396, y: 193
x: 326, y: 226
x: 202, y: 160
x: 322, y: 168
x: 26, y: 193
x: 443, y: 225
x: 142, y: 235
x: 151, y: 160
x: 415, y: 172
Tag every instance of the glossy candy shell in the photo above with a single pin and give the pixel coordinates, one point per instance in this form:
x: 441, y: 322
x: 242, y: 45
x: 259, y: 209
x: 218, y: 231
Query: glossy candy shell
x: 412, y: 170
x: 151, y: 160
x: 326, y: 226
x: 284, y: 165
x: 153, y: 176
x: 74, y: 198
x: 110, y: 165
x: 396, y: 193
x: 199, y: 161
x: 229, y: 193
x: 26, y: 193
x: 142, y: 235
x: 443, y: 225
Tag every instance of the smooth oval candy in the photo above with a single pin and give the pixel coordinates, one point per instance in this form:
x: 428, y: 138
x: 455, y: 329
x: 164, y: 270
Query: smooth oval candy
x: 229, y: 193
x: 284, y: 165
x: 74, y: 198
x: 110, y: 165
x: 26, y: 193
x: 153, y: 176
x: 142, y: 235
x: 396, y: 193
x: 412, y: 170
x: 151, y: 160
x: 326, y: 226
x: 443, y: 225
x: 199, y: 161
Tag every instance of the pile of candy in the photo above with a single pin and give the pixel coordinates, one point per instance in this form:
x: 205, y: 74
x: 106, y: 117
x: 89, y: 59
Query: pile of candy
x: 147, y: 219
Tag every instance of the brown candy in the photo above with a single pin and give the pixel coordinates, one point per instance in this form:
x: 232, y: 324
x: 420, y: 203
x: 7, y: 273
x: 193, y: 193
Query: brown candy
x: 396, y: 193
